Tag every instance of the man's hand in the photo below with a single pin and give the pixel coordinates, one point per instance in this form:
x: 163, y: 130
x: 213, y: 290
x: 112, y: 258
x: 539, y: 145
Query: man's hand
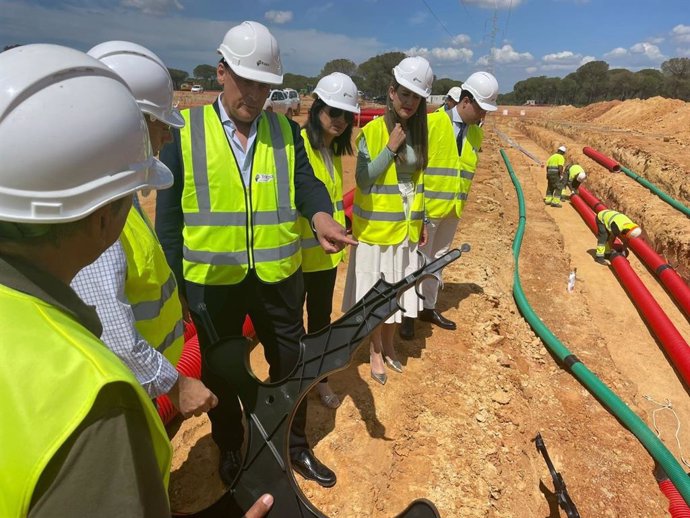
x: 191, y: 397
x: 260, y: 507
x: 332, y: 235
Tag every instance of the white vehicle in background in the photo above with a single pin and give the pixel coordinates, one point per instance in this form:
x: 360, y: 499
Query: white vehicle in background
x: 295, y: 101
x: 197, y: 89
x: 278, y: 102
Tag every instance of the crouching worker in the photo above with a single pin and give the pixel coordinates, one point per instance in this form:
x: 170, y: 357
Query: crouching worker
x: 574, y: 176
x: 611, y: 225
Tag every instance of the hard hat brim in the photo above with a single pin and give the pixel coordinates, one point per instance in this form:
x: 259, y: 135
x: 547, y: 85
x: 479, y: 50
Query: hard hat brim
x: 173, y: 118
x: 160, y: 177
x: 487, y: 106
x: 336, y: 104
x: 255, y: 75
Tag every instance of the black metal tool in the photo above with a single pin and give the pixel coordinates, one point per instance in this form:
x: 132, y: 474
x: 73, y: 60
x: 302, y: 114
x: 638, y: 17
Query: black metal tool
x: 269, y: 409
x: 560, y: 489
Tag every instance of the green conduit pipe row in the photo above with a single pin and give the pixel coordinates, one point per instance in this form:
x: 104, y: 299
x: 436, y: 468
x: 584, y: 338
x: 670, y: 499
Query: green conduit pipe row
x: 661, y: 194
x: 593, y: 384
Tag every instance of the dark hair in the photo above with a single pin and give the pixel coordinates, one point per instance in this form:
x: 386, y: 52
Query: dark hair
x: 341, y: 145
x: 464, y: 94
x: 416, y: 129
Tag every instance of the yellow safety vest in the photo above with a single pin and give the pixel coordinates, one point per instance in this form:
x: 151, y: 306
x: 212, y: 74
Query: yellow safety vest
x: 151, y: 288
x: 574, y: 170
x: 448, y: 177
x: 314, y: 259
x: 378, y: 216
x: 55, y: 369
x: 608, y: 217
x: 553, y: 162
x: 230, y: 228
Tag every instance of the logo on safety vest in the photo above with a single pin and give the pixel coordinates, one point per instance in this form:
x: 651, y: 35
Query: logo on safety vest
x: 263, y: 178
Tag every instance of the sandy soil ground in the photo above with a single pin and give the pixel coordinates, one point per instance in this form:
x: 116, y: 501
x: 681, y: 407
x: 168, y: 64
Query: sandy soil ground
x: 457, y: 426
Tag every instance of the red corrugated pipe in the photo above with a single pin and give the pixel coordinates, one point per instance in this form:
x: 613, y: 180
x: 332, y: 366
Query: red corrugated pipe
x: 676, y: 505
x: 661, y: 326
x: 348, y: 202
x: 600, y: 158
x: 189, y: 364
x: 668, y: 277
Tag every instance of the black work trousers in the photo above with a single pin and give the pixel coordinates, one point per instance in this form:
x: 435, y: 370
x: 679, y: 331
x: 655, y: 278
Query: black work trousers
x: 276, y: 312
x: 318, y: 291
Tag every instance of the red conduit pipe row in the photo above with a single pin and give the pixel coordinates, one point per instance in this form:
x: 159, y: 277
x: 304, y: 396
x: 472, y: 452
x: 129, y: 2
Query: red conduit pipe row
x: 189, y: 364
x: 673, y: 282
x: 676, y: 505
x: 672, y: 341
x: 601, y: 159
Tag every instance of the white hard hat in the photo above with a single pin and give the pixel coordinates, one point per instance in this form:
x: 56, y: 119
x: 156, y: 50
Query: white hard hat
x: 635, y: 232
x: 415, y: 74
x: 145, y: 74
x: 562, y: 149
x: 338, y: 91
x: 252, y: 52
x: 581, y: 177
x: 484, y: 88
x: 454, y: 93
x: 72, y: 137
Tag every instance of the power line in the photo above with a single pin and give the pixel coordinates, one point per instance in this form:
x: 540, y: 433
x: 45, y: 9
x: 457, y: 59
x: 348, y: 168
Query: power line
x: 437, y: 19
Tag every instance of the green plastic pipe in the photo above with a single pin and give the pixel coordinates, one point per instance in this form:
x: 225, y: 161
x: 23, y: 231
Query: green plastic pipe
x: 594, y: 385
x: 661, y: 194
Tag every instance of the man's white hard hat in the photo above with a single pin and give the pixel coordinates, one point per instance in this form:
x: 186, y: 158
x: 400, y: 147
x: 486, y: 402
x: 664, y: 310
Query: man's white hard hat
x: 72, y: 137
x: 145, y: 74
x: 252, y: 52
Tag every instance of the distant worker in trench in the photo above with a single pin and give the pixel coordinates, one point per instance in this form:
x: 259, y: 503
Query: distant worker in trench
x: 613, y: 224
x: 574, y: 176
x: 554, y: 177
x: 455, y: 140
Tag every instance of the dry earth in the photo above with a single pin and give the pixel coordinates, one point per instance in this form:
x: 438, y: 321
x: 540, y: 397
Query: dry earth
x: 457, y: 426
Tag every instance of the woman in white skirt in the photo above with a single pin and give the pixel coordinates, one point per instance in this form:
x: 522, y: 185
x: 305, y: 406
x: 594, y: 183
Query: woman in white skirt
x: 388, y: 212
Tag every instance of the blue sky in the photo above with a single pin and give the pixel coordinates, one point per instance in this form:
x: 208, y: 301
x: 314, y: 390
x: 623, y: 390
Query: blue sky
x: 515, y: 39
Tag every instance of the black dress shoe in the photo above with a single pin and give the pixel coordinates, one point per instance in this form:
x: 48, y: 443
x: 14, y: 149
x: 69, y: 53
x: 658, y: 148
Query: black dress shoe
x: 433, y: 316
x: 306, y: 464
x: 407, y: 328
x: 230, y: 465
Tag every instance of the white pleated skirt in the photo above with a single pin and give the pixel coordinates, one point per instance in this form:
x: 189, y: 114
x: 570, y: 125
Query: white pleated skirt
x: 395, y: 262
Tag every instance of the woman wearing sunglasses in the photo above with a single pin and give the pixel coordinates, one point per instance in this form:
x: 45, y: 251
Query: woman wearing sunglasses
x: 388, y: 213
x: 327, y: 136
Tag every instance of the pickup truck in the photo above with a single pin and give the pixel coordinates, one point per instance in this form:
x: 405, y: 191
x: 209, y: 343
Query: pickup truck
x: 278, y: 102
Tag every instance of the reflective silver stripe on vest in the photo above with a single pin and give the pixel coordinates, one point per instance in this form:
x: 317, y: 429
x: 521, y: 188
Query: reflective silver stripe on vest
x: 216, y: 259
x: 339, y: 205
x: 310, y: 242
x: 441, y: 171
x: 416, y: 215
x: 173, y: 335
x: 378, y: 216
x: 267, y: 255
x: 215, y: 219
x: 468, y: 175
x: 272, y: 217
x: 198, y: 137
x: 436, y: 195
x: 152, y: 308
x: 383, y: 189
x: 281, y: 162
x: 552, y: 169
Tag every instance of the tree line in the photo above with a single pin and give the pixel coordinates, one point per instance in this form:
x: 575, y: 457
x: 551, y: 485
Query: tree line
x: 595, y: 81
x: 592, y: 82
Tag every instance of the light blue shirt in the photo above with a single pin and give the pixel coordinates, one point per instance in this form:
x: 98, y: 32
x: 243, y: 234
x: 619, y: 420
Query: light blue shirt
x: 457, y: 124
x: 244, y: 157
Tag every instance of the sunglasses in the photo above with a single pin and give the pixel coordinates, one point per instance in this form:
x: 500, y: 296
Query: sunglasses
x: 334, y: 113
